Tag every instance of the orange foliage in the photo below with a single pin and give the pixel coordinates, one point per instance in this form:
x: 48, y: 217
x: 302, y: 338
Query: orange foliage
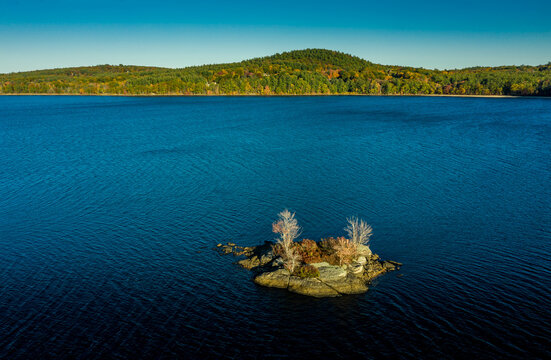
x: 309, y: 251
x: 345, y: 250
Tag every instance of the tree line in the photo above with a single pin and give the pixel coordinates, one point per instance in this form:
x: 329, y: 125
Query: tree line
x: 301, y: 72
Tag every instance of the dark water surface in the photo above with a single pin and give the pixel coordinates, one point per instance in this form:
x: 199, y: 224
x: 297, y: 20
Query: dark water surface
x: 109, y: 209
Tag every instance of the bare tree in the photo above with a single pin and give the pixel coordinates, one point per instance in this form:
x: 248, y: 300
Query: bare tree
x: 288, y: 229
x: 291, y: 260
x: 358, y: 231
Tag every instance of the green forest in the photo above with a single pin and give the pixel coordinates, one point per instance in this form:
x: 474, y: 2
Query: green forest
x: 301, y: 72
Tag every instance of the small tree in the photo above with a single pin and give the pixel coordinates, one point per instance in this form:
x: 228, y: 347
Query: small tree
x: 288, y: 229
x: 359, y: 232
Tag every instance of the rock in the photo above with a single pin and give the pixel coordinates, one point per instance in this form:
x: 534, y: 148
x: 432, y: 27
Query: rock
x: 331, y: 272
x: 246, y: 250
x: 219, y: 245
x: 395, y: 263
x: 320, y: 264
x: 311, y: 287
x: 278, y: 261
x: 351, y: 284
x: 266, y: 257
x: 231, y: 244
x: 361, y: 260
x: 250, y: 263
x: 374, y: 257
x: 373, y: 269
x: 277, y: 279
x: 226, y: 249
x: 364, y: 250
x: 388, y: 266
x: 356, y: 268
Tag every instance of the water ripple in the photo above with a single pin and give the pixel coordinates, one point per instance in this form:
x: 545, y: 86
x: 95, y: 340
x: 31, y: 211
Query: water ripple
x: 109, y: 208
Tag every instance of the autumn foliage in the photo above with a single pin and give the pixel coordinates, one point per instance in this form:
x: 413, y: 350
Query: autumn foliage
x: 309, y: 251
x: 346, y: 250
x: 300, y: 72
x: 335, y: 251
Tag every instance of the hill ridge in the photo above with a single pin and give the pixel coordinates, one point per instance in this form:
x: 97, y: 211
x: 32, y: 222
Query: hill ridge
x: 294, y: 72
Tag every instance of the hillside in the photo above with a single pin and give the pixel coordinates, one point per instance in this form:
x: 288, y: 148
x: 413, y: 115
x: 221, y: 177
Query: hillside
x: 301, y: 72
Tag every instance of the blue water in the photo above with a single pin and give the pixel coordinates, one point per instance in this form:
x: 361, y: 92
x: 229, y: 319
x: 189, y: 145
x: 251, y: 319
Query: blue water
x: 110, y: 208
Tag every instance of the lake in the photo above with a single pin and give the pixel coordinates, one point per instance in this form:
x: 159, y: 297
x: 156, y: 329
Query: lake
x: 110, y: 208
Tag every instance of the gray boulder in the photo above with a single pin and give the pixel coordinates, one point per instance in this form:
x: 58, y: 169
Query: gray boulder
x: 331, y: 272
x: 320, y: 264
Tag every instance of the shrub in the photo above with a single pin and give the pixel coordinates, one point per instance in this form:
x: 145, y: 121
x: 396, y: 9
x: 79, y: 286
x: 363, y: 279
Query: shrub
x: 309, y: 251
x: 327, y: 245
x: 328, y: 252
x: 346, y: 250
x: 307, y: 271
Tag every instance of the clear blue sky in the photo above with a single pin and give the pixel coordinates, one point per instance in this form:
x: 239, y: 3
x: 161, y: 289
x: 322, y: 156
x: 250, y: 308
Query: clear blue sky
x: 432, y: 34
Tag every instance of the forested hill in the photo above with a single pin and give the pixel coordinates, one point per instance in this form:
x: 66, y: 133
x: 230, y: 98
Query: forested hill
x: 301, y: 72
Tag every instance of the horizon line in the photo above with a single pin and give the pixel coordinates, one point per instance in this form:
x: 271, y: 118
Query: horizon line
x: 274, y: 54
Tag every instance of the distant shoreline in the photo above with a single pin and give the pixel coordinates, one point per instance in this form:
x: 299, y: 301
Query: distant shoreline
x: 307, y: 72
x: 283, y: 95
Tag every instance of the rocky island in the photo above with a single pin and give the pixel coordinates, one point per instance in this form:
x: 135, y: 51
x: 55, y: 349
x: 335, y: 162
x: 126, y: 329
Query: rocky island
x: 328, y: 268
